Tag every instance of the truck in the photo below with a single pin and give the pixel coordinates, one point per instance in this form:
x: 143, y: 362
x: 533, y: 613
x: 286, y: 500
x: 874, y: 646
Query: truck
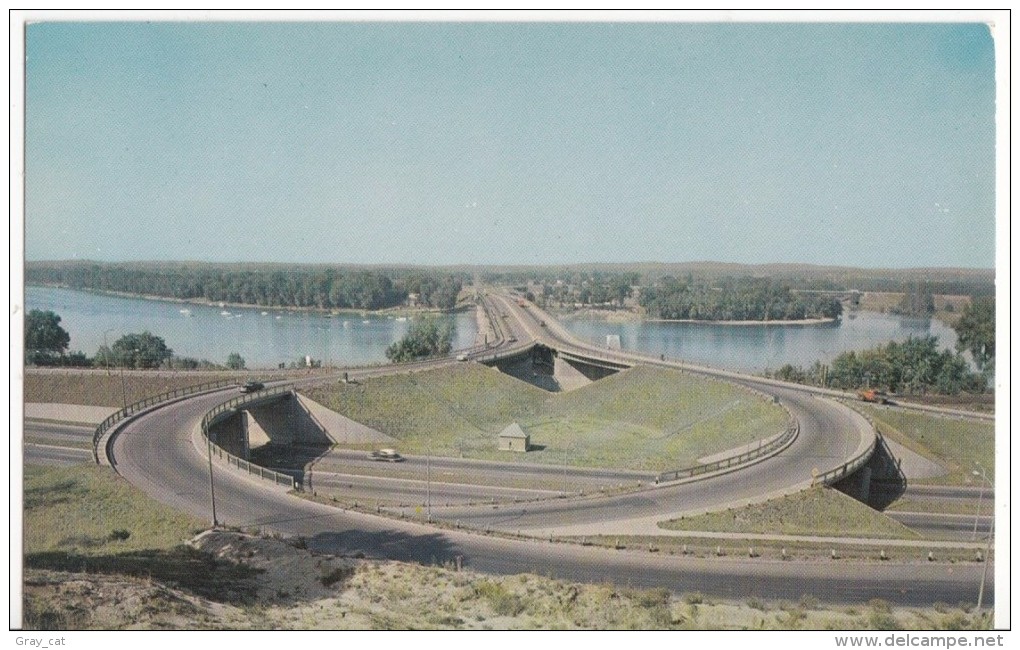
x: 873, y: 396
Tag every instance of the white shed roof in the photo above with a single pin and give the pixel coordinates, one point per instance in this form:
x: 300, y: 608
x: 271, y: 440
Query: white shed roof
x: 513, y: 431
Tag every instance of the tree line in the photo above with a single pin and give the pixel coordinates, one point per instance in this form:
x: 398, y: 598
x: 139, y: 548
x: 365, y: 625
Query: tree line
x: 797, y: 277
x: 916, y: 365
x: 426, y: 337
x: 46, y: 344
x: 300, y: 287
x: 757, y: 299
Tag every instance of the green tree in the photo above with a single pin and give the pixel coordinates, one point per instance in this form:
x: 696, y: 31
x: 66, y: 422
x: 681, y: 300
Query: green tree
x: 918, y: 300
x: 913, y: 366
x: 45, y: 340
x: 235, y: 361
x: 143, y: 350
x: 975, y: 332
x: 427, y: 337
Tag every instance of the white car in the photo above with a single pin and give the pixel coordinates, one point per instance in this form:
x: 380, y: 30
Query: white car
x: 389, y: 455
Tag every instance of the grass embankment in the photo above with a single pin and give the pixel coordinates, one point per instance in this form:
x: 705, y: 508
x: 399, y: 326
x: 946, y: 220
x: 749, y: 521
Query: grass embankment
x: 820, y: 512
x: 84, y: 572
x: 96, y: 388
x: 955, y: 443
x: 642, y: 419
x: 78, y: 509
x: 90, y: 520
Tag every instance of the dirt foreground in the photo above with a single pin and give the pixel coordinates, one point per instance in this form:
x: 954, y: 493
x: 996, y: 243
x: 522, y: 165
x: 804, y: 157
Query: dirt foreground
x: 290, y: 588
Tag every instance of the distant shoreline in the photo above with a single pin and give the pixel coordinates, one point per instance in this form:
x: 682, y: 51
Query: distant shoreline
x: 398, y: 310
x: 623, y: 316
x: 746, y: 323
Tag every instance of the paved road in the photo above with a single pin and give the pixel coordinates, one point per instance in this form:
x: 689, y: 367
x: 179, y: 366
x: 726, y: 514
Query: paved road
x: 49, y: 443
x: 405, y: 493
x: 816, y: 448
x: 158, y: 453
x: 36, y: 454
x: 944, y: 526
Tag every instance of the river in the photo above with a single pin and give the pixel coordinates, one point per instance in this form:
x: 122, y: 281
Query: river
x: 264, y: 337
x: 757, y: 348
x: 268, y: 337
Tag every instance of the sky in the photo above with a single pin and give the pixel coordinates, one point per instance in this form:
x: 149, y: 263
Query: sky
x: 866, y: 145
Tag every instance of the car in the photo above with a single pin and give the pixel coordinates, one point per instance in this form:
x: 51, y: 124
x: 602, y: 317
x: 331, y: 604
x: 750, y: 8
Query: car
x: 462, y: 357
x: 251, y: 386
x: 389, y: 455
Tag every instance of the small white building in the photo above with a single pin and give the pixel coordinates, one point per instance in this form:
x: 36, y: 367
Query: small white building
x: 513, y: 438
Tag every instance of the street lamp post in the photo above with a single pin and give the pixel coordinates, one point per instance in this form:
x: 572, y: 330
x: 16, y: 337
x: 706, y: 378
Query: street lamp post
x: 212, y: 489
x: 428, y: 484
x: 991, y: 533
x: 123, y: 386
x: 106, y: 351
x: 981, y: 495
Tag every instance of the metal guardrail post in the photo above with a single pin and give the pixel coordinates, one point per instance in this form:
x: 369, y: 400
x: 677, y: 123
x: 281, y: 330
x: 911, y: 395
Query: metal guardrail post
x: 140, y: 405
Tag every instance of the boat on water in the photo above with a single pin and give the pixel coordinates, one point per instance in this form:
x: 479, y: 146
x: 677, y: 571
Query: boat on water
x: 366, y: 322
x: 401, y: 319
x: 225, y: 313
x: 186, y: 312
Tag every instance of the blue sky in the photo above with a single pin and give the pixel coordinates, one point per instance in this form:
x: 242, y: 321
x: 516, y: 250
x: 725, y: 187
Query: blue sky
x: 427, y: 143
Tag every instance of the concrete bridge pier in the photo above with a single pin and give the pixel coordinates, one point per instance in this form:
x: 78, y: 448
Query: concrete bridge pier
x: 858, y: 485
x: 568, y: 376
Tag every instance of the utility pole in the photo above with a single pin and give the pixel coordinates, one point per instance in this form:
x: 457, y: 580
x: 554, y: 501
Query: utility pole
x: 212, y: 488
x: 106, y: 352
x: 991, y: 533
x: 981, y: 496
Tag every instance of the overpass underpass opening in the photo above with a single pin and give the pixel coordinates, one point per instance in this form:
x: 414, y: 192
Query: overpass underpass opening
x: 548, y: 369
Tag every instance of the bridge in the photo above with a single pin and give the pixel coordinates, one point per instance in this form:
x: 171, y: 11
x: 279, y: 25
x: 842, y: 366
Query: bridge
x: 162, y: 450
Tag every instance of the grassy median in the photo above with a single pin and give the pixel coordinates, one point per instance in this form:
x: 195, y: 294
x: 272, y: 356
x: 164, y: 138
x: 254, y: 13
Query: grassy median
x: 643, y: 418
x: 956, y: 443
x: 820, y: 512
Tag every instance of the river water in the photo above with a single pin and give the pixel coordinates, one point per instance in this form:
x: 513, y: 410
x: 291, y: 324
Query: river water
x: 263, y: 337
x: 756, y: 348
x: 267, y: 337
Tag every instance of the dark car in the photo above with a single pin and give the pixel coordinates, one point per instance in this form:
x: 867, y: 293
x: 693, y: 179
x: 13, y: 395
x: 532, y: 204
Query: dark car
x: 251, y: 386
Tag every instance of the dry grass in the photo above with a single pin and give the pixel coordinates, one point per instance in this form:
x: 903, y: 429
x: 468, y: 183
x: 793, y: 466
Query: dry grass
x: 84, y: 573
x: 96, y: 388
x: 395, y: 596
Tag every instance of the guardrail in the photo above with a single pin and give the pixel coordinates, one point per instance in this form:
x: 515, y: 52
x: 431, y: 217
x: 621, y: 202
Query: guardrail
x: 141, y: 405
x: 229, y: 408
x: 776, y: 443
x: 847, y: 468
